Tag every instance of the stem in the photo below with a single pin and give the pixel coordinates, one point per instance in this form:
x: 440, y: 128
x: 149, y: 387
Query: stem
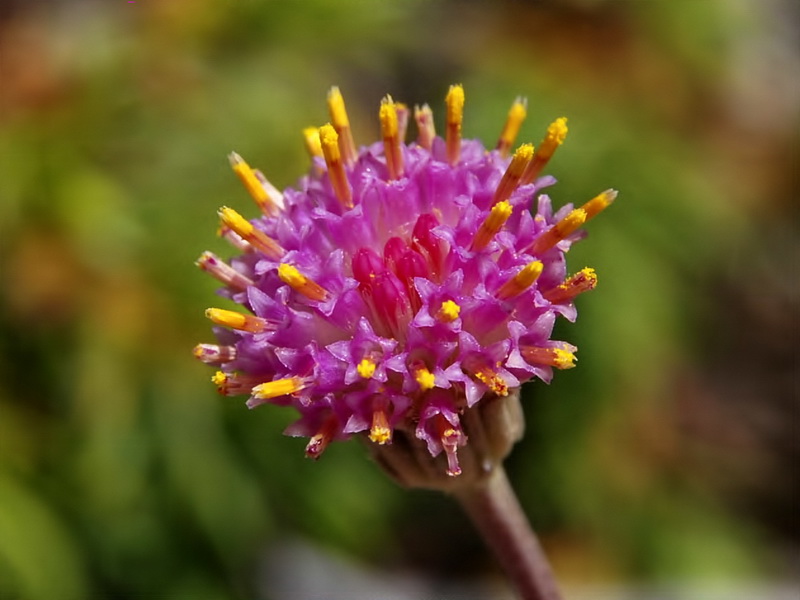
x: 494, y: 509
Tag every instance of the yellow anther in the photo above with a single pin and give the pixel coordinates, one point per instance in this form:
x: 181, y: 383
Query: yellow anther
x: 342, y: 126
x: 424, y: 378
x: 553, y: 357
x: 516, y: 116
x: 391, y: 141
x: 521, y: 281
x: 582, y: 281
x: 556, y: 133
x: 219, y: 378
x: 257, y: 238
x: 455, y: 116
x: 599, y: 203
x: 559, y: 231
x: 311, y: 137
x: 279, y: 387
x: 494, y: 221
x: 425, y: 128
x: 380, y: 432
x: 266, y: 196
x: 236, y: 320
x: 329, y: 140
x: 366, y: 368
x: 492, y: 380
x: 513, y: 175
x: 448, y: 312
x: 301, y: 284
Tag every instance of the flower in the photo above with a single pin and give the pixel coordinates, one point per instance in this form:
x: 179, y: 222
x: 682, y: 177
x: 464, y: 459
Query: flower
x: 398, y: 286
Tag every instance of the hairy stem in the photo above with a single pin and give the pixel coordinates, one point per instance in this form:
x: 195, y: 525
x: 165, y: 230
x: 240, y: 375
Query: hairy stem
x: 494, y: 509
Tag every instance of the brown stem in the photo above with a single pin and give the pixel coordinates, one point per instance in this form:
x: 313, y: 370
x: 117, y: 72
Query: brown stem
x: 494, y: 509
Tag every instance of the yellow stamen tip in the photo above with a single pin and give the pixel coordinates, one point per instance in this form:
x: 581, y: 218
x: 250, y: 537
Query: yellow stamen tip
x: 219, y: 378
x: 329, y: 140
x: 455, y: 104
x: 337, y: 109
x: 563, y: 359
x: 380, y: 435
x: 279, y: 387
x: 599, y: 203
x: 425, y: 379
x: 449, y: 311
x: 300, y: 283
x: 311, y: 137
x: 516, y: 116
x: 529, y: 273
x: 388, y: 117
x: 290, y: 275
x: 524, y: 153
x: 366, y: 368
x: 557, y: 131
x: 233, y: 220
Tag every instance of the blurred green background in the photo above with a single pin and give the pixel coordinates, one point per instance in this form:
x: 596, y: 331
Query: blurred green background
x: 669, y: 456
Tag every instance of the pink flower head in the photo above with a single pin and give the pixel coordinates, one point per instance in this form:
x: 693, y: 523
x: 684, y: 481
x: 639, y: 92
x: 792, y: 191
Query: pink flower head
x: 398, y: 285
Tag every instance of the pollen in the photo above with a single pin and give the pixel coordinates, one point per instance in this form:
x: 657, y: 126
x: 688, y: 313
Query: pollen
x: 380, y: 432
x: 582, y: 281
x: 521, y: 281
x: 301, y: 284
x: 516, y: 116
x: 329, y: 140
x: 279, y: 387
x: 424, y: 378
x: 341, y: 124
x: 555, y: 136
x: 493, y: 381
x: 455, y: 116
x: 245, y: 229
x: 565, y: 227
x: 219, y: 379
x: 553, y: 357
x: 448, y: 312
x: 366, y: 368
x: 236, y: 320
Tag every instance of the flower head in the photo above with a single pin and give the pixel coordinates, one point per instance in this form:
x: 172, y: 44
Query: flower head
x: 399, y: 285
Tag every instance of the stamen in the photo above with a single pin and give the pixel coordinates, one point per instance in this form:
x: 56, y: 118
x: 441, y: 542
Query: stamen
x: 311, y: 137
x: 424, y: 377
x: 425, y: 128
x: 212, y: 354
x: 329, y: 140
x: 342, y: 126
x: 455, y: 116
x: 553, y: 357
x: 556, y: 133
x: 234, y: 384
x: 257, y: 238
x: 317, y: 444
x: 559, y: 231
x: 380, y: 432
x: 234, y: 239
x: 599, y: 203
x: 366, y: 368
x: 491, y: 379
x: 521, y: 281
x: 391, y: 138
x: 450, y: 438
x: 223, y: 272
x: 266, y: 195
x: 301, y: 284
x: 582, y: 281
x: 402, y: 120
x: 513, y: 175
x: 448, y: 312
x: 236, y: 320
x: 279, y: 387
x: 491, y: 225
x: 516, y: 115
